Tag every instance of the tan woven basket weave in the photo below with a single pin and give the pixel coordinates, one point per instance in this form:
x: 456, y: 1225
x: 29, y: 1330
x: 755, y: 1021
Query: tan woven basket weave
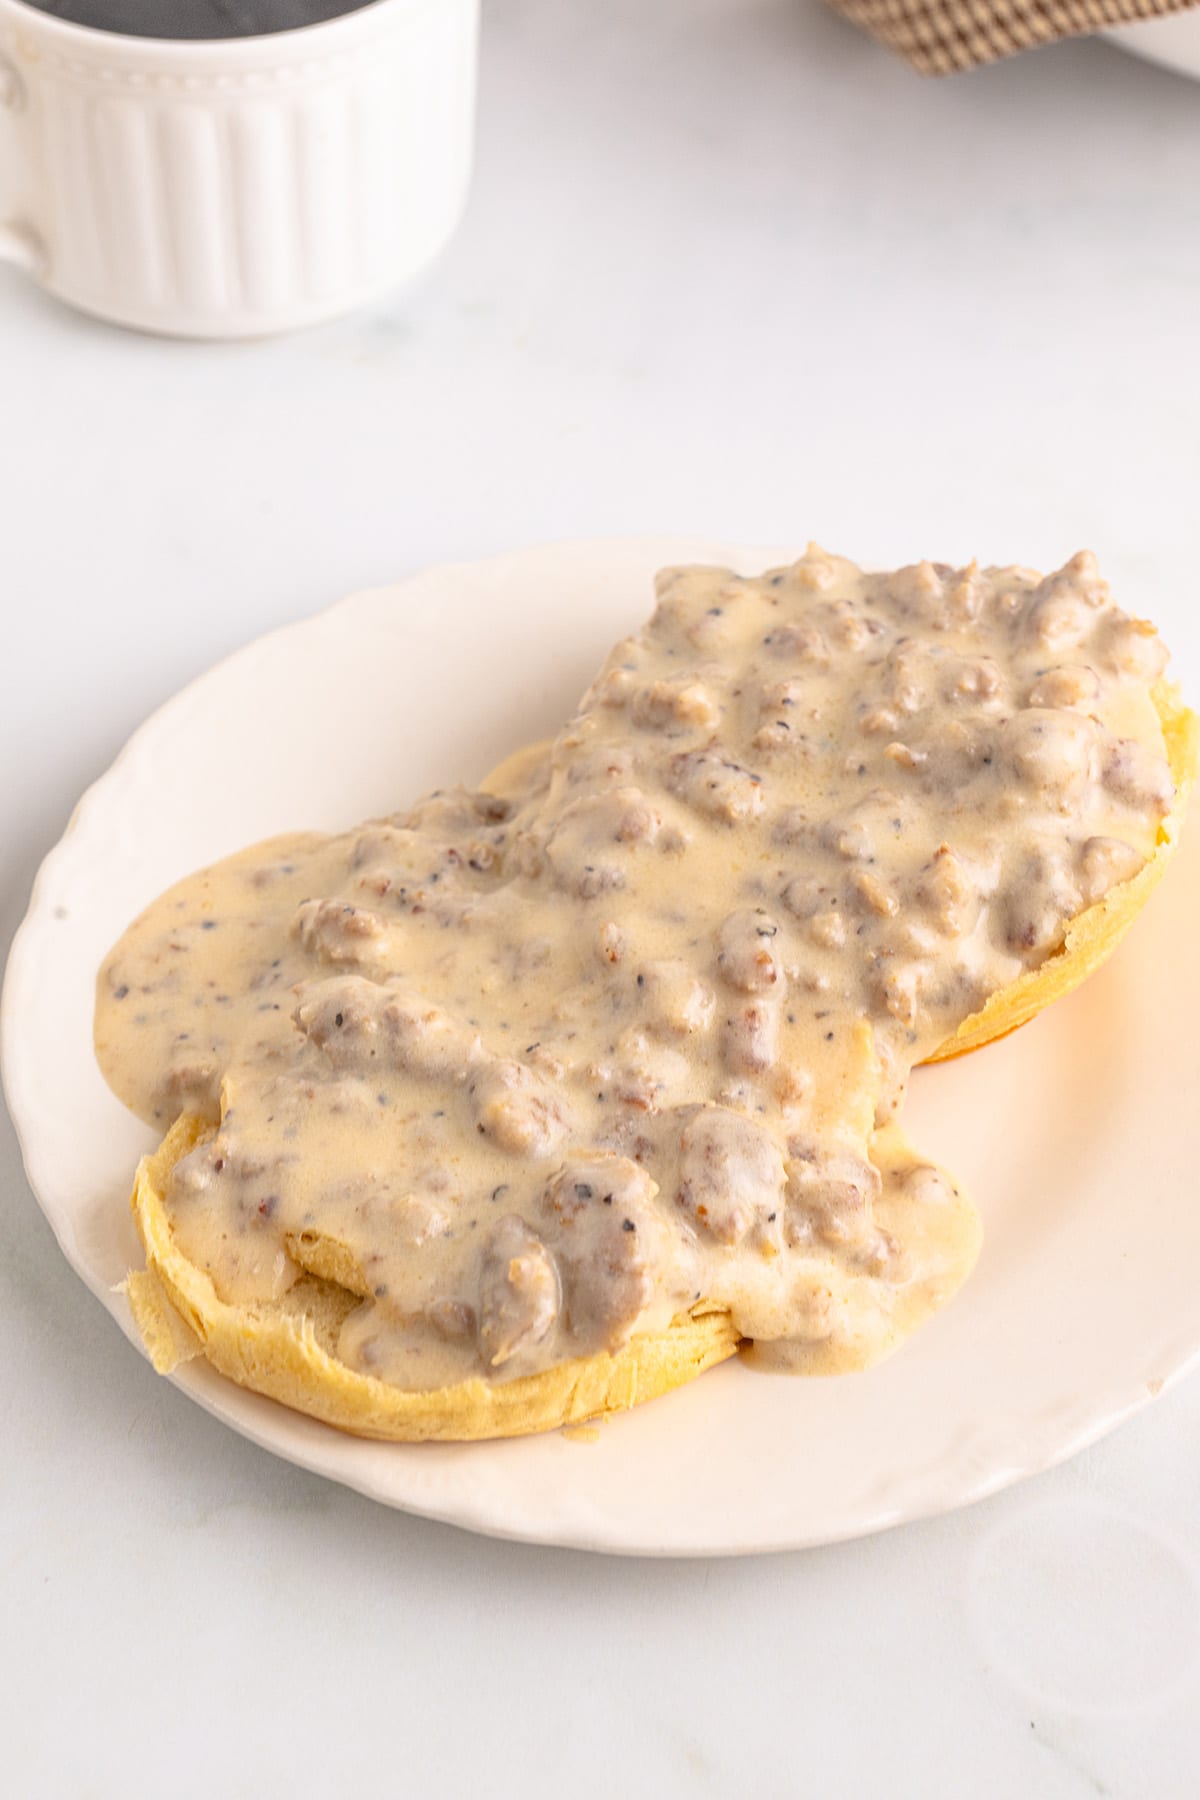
x: 939, y: 36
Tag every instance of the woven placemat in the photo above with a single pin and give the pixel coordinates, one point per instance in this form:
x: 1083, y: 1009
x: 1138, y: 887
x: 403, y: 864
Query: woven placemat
x: 939, y: 36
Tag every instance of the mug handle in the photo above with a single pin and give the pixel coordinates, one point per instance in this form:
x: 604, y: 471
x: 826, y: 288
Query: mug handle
x: 20, y: 241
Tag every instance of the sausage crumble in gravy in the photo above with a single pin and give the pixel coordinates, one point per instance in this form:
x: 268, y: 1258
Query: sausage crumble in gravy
x: 532, y: 1070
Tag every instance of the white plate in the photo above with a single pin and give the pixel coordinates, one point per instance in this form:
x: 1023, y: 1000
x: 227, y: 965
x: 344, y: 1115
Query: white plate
x: 1079, y: 1136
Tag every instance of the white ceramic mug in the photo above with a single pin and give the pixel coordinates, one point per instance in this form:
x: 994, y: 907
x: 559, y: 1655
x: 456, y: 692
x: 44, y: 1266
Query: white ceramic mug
x: 237, y: 186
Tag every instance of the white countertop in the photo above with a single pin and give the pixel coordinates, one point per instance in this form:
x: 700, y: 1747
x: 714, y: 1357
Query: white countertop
x: 728, y: 270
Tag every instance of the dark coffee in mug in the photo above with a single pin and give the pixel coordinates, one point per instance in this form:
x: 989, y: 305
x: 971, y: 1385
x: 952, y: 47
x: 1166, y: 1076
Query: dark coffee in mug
x: 196, y: 18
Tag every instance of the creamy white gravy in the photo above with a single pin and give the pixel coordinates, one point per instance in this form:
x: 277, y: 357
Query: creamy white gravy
x: 534, y: 1069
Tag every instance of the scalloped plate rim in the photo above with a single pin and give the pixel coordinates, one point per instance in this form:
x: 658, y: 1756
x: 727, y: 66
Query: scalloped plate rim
x: 969, y: 1469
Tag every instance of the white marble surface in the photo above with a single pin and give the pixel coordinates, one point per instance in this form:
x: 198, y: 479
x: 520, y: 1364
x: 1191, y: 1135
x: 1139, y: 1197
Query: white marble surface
x: 727, y: 270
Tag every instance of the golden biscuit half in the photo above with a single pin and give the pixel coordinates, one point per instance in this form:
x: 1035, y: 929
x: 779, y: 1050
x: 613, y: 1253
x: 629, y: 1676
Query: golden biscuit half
x: 1093, y: 935
x: 285, y: 1349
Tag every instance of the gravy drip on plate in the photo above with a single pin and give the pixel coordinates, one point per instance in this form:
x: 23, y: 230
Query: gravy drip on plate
x: 534, y: 1069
